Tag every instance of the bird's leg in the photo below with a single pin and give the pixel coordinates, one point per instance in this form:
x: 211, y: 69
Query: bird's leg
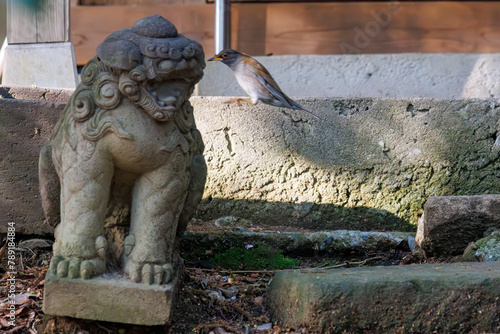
x: 238, y: 101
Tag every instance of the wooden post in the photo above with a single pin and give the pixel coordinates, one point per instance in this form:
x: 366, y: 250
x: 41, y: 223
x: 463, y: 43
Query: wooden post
x: 39, y: 52
x: 46, y: 23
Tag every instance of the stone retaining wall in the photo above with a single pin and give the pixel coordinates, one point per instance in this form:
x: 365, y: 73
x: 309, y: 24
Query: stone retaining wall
x: 25, y: 126
x: 368, y: 164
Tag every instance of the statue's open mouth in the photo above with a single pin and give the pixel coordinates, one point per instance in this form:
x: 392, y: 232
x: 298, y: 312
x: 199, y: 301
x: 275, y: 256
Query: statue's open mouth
x: 165, y: 102
x: 162, y: 99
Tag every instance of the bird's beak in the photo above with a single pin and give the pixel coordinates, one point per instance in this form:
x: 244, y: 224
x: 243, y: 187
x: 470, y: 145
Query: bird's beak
x: 215, y: 58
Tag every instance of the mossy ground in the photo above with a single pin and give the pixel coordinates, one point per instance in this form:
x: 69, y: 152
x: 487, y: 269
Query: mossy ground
x: 261, y: 257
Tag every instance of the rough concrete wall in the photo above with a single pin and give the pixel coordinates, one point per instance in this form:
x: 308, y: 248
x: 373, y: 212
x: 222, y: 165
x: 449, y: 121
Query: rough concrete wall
x: 36, y: 93
x: 25, y: 126
x: 369, y: 164
x: 449, y: 76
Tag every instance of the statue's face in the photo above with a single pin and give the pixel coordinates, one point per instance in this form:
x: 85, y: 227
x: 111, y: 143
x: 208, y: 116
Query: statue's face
x: 172, y: 85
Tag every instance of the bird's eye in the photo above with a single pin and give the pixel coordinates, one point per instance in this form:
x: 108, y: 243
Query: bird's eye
x: 224, y: 55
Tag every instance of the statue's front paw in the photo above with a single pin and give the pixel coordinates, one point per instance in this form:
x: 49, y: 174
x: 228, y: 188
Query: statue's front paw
x: 75, y: 267
x: 144, y: 272
x: 149, y: 273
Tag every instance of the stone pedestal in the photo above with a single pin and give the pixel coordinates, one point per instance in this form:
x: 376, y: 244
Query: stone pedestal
x: 110, y: 297
x: 41, y: 65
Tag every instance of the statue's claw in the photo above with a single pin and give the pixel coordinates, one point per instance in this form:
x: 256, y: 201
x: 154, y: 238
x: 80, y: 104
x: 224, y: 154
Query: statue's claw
x: 75, y: 267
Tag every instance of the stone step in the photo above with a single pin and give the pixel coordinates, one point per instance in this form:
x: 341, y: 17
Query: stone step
x: 330, y: 242
x: 444, y: 298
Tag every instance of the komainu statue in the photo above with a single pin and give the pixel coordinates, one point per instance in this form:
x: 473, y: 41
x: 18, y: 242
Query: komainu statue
x: 127, y: 143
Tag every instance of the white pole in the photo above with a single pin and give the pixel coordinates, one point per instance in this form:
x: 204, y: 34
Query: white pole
x: 2, y: 55
x: 222, y: 25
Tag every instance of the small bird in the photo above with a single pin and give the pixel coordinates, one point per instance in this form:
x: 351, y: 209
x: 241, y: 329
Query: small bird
x: 256, y: 80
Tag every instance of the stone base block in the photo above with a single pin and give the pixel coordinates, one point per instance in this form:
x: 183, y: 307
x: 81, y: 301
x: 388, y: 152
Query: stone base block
x: 41, y: 65
x: 110, y: 298
x: 450, y: 223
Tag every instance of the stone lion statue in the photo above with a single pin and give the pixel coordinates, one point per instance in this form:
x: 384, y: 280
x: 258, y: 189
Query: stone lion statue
x: 126, y: 153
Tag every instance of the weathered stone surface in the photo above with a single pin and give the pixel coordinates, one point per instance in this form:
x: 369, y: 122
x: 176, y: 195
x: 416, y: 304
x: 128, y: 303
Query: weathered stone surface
x: 450, y: 223
x: 24, y: 127
x: 430, y: 75
x: 370, y: 164
x: 444, y: 298
x: 36, y: 93
x: 40, y: 64
x: 300, y: 243
x: 369, y: 75
x: 484, y: 249
x: 489, y: 248
x: 109, y: 298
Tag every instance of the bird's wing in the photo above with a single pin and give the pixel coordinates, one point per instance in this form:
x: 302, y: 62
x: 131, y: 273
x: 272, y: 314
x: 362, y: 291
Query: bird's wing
x: 261, y: 73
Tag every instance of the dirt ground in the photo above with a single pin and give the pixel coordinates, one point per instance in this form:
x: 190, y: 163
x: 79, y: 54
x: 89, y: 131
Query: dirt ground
x: 213, y: 300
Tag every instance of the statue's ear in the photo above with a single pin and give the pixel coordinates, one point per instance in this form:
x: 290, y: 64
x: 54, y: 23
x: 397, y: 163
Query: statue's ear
x: 121, y: 54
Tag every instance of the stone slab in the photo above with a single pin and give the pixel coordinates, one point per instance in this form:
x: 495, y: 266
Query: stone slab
x: 40, y: 65
x: 25, y: 126
x: 109, y: 298
x: 303, y: 243
x: 36, y: 93
x: 450, y: 223
x: 443, y: 298
x: 402, y: 75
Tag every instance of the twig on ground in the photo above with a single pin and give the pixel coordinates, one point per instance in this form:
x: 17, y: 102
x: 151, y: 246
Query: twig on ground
x: 109, y: 331
x: 4, y: 247
x: 14, y: 330
x: 237, y: 271
x: 240, y: 310
x: 345, y: 264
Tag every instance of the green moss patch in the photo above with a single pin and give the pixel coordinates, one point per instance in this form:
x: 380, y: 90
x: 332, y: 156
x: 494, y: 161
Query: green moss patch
x: 261, y: 257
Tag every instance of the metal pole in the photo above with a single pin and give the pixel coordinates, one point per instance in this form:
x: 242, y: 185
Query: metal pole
x: 222, y: 25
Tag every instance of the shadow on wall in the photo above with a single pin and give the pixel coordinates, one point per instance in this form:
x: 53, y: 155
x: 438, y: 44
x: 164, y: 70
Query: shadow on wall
x: 304, y: 215
x: 483, y: 80
x: 386, y: 154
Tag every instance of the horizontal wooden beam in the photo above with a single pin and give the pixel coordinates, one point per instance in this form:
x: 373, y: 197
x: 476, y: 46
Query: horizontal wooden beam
x: 312, y: 28
x: 383, y: 27
x: 90, y: 25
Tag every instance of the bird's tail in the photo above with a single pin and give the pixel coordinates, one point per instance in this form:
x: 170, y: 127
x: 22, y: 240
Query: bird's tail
x: 298, y: 106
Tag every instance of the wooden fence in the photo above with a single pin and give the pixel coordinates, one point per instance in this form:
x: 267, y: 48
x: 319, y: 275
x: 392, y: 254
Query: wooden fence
x: 309, y: 27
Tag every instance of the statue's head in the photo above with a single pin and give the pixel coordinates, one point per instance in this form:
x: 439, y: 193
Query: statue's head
x: 150, y: 64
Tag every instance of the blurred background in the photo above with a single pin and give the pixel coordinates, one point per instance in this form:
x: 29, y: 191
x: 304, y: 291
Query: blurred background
x: 261, y: 27
x: 374, y: 48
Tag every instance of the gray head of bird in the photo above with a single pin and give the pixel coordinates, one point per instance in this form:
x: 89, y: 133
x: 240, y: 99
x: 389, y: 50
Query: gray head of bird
x: 228, y: 56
